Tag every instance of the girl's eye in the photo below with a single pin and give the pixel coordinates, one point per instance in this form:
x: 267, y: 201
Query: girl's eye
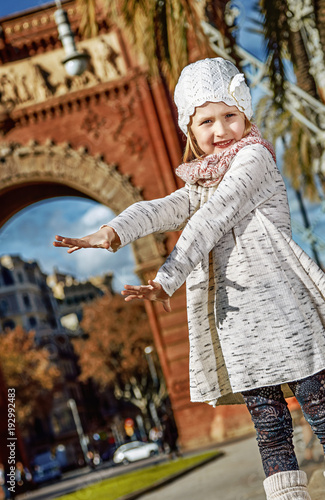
x: 229, y: 115
x: 206, y: 121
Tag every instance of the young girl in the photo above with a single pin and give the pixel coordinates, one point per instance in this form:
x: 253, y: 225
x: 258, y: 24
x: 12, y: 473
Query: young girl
x: 256, y: 308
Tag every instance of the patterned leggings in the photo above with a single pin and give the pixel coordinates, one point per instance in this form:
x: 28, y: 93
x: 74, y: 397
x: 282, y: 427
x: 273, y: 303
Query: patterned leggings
x: 273, y: 423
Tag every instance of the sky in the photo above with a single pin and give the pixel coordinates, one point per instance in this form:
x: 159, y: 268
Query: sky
x: 30, y: 233
x: 11, y: 7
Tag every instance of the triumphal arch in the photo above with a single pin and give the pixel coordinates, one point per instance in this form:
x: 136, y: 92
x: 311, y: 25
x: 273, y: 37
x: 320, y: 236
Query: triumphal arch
x: 109, y: 134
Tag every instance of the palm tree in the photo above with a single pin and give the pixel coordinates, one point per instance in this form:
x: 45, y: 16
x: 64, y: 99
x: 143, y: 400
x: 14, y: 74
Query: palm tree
x: 293, y: 34
x: 300, y: 38
x: 166, y: 32
x: 297, y: 35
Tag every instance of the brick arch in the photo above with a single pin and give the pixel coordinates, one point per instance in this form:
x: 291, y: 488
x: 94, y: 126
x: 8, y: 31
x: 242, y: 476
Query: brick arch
x: 36, y: 172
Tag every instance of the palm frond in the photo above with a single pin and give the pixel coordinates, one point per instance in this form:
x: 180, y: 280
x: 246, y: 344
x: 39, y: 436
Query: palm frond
x: 272, y: 121
x: 88, y: 24
x: 279, y: 44
x: 300, y: 152
x: 298, y: 159
x: 163, y: 31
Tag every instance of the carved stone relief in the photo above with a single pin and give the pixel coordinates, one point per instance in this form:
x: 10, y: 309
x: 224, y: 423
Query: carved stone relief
x: 43, y: 76
x: 119, y: 112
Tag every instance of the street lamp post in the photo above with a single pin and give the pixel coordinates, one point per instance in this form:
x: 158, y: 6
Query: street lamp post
x: 148, y: 352
x: 153, y: 372
x: 75, y: 62
x: 82, y: 438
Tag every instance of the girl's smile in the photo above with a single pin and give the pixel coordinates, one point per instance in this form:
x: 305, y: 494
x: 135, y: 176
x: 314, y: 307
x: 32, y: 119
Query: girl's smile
x: 217, y: 126
x: 223, y: 144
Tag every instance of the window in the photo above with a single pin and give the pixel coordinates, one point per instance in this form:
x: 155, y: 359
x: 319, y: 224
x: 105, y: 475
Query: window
x: 3, y: 307
x: 7, y: 276
x: 9, y: 324
x: 26, y: 300
x: 32, y: 322
x: 53, y: 323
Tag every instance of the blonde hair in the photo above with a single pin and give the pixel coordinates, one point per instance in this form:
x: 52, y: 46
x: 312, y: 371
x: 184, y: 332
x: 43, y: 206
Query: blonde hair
x: 192, y: 150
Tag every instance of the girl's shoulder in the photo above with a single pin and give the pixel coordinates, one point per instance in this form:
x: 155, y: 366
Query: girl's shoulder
x: 255, y: 158
x: 256, y: 150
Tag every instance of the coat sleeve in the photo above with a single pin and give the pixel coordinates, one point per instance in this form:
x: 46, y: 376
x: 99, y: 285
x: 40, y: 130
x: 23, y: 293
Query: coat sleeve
x: 147, y: 217
x: 250, y: 181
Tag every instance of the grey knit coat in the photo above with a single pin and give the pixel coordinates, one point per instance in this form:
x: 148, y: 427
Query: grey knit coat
x: 255, y: 300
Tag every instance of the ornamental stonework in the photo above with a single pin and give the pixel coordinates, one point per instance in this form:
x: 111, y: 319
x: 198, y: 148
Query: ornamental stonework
x: 43, y: 76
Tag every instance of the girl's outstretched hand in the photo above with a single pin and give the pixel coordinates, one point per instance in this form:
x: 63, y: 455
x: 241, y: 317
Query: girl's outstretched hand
x: 153, y: 291
x: 105, y: 237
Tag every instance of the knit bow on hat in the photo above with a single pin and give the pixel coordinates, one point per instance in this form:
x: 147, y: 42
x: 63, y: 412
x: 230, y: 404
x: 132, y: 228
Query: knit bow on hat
x: 210, y: 170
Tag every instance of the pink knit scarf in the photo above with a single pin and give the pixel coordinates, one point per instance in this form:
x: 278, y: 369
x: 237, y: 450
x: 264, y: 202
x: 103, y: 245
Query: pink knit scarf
x: 210, y: 170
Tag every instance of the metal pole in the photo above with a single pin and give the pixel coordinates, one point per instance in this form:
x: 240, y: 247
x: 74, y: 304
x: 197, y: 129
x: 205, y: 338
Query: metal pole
x: 148, y: 351
x: 304, y: 215
x: 82, y: 438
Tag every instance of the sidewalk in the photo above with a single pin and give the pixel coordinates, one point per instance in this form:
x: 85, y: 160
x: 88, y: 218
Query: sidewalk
x: 316, y: 486
x: 238, y: 475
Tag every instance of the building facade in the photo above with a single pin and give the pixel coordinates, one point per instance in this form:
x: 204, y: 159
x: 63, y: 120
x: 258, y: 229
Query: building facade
x: 27, y: 301
x: 72, y: 294
x: 25, y: 298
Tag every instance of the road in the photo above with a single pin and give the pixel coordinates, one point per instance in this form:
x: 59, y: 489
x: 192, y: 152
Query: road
x: 238, y: 475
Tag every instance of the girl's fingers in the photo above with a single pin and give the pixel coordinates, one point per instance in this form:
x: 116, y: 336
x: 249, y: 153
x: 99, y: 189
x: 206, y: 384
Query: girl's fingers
x: 75, y: 242
x: 147, y: 292
x: 129, y: 291
x: 128, y: 298
x: 155, y: 285
x: 133, y: 294
x: 61, y: 241
x: 136, y: 289
x: 58, y: 241
x: 167, y: 306
x: 73, y: 249
x: 131, y: 287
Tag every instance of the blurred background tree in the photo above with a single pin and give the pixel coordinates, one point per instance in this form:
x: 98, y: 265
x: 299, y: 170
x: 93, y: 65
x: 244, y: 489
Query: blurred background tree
x: 28, y: 369
x: 112, y: 351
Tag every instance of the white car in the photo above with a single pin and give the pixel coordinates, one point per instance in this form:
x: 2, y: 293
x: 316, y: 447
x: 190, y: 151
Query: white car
x: 135, y: 450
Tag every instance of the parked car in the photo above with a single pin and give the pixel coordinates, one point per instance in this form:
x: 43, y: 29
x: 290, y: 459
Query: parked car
x: 109, y: 453
x: 46, y: 468
x: 135, y: 450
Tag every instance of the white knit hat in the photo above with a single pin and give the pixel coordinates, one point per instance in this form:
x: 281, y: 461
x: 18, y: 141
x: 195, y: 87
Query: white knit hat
x: 210, y: 80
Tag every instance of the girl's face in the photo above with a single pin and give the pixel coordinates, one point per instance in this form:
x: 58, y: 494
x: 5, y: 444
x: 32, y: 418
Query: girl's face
x: 217, y: 126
